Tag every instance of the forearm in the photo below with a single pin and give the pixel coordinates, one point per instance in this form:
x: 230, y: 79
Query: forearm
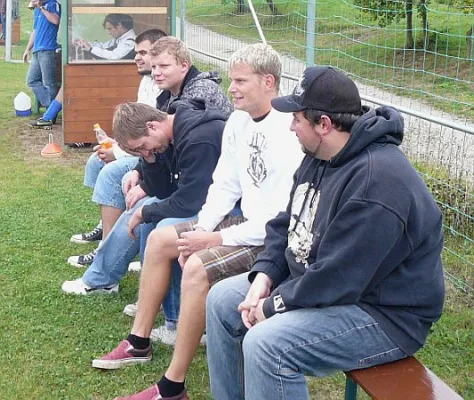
x: 51, y: 17
x: 31, y: 41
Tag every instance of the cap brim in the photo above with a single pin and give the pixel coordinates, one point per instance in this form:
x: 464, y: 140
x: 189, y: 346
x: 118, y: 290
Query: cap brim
x: 287, y: 104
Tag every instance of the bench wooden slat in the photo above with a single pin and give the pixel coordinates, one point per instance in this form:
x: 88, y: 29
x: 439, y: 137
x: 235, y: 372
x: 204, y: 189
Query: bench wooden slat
x: 402, y: 380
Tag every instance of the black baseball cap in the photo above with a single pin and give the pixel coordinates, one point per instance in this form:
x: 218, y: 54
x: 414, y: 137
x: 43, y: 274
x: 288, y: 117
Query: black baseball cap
x: 322, y: 88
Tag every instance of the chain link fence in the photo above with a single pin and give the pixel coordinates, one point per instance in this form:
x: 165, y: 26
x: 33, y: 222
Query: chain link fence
x: 415, y: 55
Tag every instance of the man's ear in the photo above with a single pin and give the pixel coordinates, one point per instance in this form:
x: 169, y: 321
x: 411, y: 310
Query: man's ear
x: 185, y: 66
x: 269, y: 81
x: 325, y: 124
x: 151, y: 125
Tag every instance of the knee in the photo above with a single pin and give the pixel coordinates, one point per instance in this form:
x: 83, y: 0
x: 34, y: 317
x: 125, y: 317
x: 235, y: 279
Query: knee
x: 162, y: 241
x: 220, y: 302
x: 257, y: 344
x: 194, y: 274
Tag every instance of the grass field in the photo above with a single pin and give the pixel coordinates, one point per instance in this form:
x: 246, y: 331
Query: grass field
x: 49, y: 339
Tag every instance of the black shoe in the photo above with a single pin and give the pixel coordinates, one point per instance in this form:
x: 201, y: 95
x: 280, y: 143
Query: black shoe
x: 93, y: 236
x: 79, y: 145
x: 41, y: 123
x: 84, y: 260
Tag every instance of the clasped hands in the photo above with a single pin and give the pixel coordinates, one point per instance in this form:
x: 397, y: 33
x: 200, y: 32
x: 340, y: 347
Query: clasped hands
x: 251, y: 309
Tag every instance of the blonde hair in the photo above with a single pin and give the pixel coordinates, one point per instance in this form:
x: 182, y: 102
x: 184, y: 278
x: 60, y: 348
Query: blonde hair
x: 262, y: 58
x: 172, y: 46
x: 130, y: 119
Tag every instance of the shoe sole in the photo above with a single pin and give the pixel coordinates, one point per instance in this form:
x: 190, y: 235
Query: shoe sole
x: 92, y: 292
x: 48, y: 128
x: 116, y: 364
x: 77, y: 265
x: 82, y: 241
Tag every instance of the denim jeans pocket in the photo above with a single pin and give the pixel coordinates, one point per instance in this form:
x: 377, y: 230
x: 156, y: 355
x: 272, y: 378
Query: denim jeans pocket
x: 381, y: 358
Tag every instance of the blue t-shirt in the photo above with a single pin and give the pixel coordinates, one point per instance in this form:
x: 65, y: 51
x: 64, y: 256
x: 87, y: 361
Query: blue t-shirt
x: 46, y: 33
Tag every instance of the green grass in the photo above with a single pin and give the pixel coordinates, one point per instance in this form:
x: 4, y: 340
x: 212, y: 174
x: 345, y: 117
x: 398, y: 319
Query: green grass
x: 49, y: 339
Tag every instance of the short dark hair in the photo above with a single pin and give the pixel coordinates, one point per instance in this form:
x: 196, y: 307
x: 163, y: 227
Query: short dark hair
x: 152, y: 35
x: 342, y: 121
x: 123, y: 19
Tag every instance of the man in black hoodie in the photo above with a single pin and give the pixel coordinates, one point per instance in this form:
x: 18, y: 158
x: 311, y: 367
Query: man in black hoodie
x: 351, y: 274
x: 177, y: 179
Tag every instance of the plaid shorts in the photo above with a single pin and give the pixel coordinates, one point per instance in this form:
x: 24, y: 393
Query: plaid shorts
x: 223, y: 262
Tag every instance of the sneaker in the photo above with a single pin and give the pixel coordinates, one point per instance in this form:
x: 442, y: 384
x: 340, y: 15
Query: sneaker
x: 135, y: 266
x: 93, y: 236
x: 153, y: 393
x: 41, y: 123
x: 79, y: 145
x: 168, y: 336
x: 82, y: 261
x: 79, y: 287
x: 124, y: 354
x: 131, y: 309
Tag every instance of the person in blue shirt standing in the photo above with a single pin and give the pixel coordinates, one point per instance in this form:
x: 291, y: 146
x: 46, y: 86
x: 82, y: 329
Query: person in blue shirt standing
x: 41, y: 76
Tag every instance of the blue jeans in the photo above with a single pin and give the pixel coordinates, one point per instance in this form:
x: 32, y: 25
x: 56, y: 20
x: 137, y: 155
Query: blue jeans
x: 107, y: 182
x: 118, y: 249
x: 41, y: 77
x: 270, y: 360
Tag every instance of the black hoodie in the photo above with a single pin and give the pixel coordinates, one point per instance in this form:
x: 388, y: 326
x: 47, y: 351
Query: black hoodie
x: 182, y: 175
x: 360, y: 229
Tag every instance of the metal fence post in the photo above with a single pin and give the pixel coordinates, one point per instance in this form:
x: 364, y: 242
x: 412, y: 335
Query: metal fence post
x: 310, y: 32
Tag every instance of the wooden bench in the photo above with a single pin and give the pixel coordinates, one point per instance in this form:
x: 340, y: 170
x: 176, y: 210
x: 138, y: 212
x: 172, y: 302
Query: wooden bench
x: 406, y: 379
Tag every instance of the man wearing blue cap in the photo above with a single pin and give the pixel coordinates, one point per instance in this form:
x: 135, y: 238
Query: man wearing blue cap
x: 351, y: 274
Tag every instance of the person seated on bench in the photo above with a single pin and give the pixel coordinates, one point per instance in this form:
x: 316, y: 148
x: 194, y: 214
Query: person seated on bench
x: 120, y: 47
x: 259, y: 157
x: 351, y: 274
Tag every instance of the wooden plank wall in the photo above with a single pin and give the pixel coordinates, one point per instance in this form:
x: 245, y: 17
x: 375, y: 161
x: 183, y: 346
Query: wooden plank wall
x: 91, y: 93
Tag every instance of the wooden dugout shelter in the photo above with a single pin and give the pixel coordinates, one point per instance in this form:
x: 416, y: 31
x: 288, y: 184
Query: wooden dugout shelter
x: 92, y: 88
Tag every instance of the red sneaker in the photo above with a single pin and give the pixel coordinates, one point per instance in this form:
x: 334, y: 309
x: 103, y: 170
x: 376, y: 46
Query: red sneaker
x: 153, y: 393
x: 124, y: 354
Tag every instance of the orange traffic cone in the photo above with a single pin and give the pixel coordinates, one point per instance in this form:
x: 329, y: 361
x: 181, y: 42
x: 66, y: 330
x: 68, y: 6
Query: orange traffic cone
x: 51, y: 149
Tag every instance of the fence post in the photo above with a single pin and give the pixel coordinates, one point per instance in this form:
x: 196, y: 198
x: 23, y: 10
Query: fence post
x: 182, y: 28
x: 8, y: 31
x: 310, y: 32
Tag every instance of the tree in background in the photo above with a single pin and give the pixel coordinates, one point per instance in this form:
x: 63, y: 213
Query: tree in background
x: 467, y: 7
x: 385, y: 12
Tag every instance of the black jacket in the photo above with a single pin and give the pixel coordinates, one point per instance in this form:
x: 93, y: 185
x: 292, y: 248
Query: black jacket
x: 182, y: 175
x: 360, y: 229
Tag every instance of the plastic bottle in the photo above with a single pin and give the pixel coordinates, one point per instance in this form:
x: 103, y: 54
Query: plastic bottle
x: 102, y: 137
x: 22, y: 103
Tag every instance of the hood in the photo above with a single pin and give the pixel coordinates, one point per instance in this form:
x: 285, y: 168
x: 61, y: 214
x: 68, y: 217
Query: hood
x: 211, y: 75
x: 190, y: 113
x: 382, y: 125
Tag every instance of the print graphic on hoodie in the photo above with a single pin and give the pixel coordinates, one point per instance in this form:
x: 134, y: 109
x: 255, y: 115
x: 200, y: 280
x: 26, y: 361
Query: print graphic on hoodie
x: 300, y: 230
x: 257, y: 169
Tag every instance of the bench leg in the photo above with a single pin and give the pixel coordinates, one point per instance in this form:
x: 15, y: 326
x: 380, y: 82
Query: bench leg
x: 351, y: 389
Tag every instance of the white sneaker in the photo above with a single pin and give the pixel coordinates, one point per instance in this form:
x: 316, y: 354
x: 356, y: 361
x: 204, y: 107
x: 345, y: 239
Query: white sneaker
x: 131, y: 309
x: 79, y: 287
x: 135, y: 266
x: 167, y: 336
x: 164, y: 335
